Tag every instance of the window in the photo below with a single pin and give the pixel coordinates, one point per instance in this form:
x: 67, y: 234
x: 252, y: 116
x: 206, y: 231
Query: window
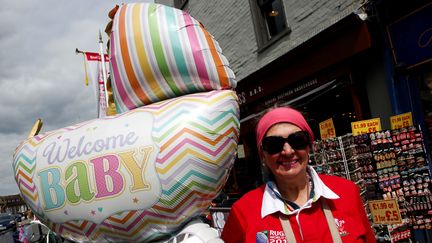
x: 270, y: 21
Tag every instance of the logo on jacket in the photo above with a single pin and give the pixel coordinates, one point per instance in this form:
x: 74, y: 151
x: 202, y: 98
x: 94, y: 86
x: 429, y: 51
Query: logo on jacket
x: 340, y: 223
x: 267, y: 236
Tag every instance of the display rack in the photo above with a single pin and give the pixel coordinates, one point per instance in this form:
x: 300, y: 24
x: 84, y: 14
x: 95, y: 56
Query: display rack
x: 340, y: 156
x: 389, y: 164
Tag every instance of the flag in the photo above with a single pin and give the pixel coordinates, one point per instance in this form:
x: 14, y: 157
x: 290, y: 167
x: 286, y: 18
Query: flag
x: 94, y: 76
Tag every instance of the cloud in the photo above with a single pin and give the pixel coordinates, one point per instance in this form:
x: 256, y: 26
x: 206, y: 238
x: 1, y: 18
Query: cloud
x: 40, y: 74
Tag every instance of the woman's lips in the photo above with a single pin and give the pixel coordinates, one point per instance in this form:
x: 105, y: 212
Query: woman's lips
x: 288, y: 163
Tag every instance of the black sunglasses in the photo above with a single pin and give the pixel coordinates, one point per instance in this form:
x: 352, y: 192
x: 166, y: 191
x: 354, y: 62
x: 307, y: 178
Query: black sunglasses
x: 275, y: 144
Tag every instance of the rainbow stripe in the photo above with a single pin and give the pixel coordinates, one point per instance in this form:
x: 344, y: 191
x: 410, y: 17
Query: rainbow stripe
x: 158, y: 52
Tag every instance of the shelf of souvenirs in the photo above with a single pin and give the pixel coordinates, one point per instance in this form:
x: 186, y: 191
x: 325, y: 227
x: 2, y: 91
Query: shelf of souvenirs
x: 402, y: 231
x: 420, y: 222
x: 350, y: 161
x: 399, y: 232
x: 415, y: 170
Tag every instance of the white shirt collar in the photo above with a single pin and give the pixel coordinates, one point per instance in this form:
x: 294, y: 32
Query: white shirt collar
x: 271, y: 203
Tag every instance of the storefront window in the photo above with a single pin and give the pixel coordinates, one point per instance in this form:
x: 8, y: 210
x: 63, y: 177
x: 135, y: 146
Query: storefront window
x: 269, y: 21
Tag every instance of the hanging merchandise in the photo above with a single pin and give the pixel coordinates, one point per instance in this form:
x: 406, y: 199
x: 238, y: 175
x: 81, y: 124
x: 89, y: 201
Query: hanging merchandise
x: 392, y: 172
x: 415, y: 174
x: 389, y: 181
x: 340, y: 156
x: 402, y: 175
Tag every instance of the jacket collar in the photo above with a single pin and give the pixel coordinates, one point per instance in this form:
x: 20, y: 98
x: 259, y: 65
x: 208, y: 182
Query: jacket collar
x: 271, y: 203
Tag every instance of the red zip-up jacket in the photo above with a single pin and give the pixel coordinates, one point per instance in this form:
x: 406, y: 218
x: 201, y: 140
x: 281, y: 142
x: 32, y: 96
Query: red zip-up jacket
x: 245, y: 224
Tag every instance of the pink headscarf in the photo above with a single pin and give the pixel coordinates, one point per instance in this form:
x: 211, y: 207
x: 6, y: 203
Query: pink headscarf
x: 280, y: 115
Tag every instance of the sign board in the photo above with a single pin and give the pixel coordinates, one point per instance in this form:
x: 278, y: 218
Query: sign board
x: 410, y: 37
x: 327, y: 129
x: 402, y: 120
x: 366, y: 126
x: 385, y: 211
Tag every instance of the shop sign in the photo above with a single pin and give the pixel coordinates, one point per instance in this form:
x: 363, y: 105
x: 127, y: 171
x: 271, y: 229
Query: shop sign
x: 327, y: 129
x: 366, y: 126
x: 402, y: 120
x: 385, y: 211
x: 293, y: 91
x: 411, y: 37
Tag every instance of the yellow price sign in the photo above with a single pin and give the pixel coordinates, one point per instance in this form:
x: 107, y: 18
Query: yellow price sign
x: 402, y: 120
x: 327, y: 129
x: 385, y: 211
x: 366, y: 126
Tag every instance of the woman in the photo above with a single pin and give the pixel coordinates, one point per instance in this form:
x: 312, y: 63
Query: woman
x: 295, y: 204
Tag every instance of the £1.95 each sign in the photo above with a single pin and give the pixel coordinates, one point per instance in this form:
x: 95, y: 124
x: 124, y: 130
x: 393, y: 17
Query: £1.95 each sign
x: 366, y: 126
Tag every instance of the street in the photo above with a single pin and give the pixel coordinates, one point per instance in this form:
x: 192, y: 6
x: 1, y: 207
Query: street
x: 6, y: 236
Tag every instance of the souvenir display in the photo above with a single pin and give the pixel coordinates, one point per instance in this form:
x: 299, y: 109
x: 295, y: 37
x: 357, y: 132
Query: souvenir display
x: 392, y: 165
x: 342, y: 157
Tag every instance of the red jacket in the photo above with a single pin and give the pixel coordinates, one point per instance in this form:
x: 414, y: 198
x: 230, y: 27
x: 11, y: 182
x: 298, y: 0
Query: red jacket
x: 245, y: 224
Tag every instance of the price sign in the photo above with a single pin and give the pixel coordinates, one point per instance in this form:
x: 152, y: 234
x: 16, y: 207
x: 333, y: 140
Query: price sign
x: 366, y: 126
x: 402, y: 120
x: 327, y: 129
x: 385, y: 211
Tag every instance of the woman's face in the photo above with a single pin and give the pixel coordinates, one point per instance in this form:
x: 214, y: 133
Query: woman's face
x: 288, y: 163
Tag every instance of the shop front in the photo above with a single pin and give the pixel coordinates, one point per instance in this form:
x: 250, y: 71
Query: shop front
x: 331, y: 81
x: 409, y: 34
x: 410, y: 41
x: 343, y: 80
x: 320, y: 79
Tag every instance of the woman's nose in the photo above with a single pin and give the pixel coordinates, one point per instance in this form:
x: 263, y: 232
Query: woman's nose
x: 287, y: 149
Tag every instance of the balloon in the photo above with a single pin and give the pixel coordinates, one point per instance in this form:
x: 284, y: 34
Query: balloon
x: 199, y: 232
x: 158, y: 52
x: 138, y: 176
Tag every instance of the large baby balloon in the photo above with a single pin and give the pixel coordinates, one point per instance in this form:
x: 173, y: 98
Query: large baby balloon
x: 158, y: 52
x: 139, y: 176
x: 146, y: 173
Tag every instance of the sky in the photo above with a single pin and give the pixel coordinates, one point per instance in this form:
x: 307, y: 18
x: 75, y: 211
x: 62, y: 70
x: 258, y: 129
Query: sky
x: 40, y: 74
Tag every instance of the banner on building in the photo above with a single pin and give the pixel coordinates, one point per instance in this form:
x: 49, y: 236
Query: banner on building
x: 410, y: 37
x: 94, y: 77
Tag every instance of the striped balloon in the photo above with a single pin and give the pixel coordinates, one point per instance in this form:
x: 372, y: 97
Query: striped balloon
x: 158, y: 52
x: 196, y: 138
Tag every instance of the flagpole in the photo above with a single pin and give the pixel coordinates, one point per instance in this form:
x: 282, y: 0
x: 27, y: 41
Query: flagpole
x: 77, y: 51
x: 103, y: 68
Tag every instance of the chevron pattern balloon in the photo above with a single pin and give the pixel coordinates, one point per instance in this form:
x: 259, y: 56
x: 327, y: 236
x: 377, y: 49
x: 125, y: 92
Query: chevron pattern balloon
x: 139, y: 176
x: 143, y: 175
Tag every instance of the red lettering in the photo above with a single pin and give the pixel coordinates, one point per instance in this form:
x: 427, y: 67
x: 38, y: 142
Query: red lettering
x: 395, y: 215
x: 388, y: 215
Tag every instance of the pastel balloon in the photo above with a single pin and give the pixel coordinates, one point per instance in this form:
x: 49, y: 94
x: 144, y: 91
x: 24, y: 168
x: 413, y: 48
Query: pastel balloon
x: 139, y: 176
x: 158, y: 52
x: 197, y: 232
